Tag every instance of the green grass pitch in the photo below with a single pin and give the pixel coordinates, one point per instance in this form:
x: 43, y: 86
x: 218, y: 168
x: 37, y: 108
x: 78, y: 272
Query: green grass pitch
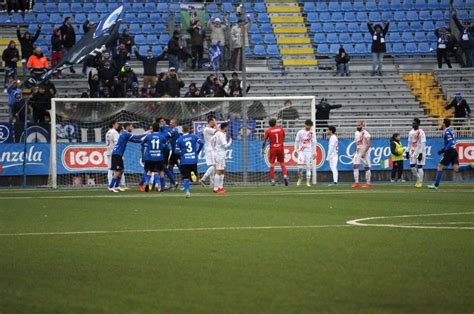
x: 252, y: 250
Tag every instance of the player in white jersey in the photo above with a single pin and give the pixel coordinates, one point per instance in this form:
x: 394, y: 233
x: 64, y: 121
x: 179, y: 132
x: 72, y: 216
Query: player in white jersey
x: 111, y: 138
x: 333, y: 154
x: 219, y: 146
x: 362, y: 155
x: 416, y: 151
x: 208, y: 133
x: 305, y: 150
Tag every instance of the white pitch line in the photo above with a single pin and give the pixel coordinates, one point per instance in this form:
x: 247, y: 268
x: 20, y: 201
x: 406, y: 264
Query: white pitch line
x: 358, y: 222
x: 229, y: 194
x: 170, y: 230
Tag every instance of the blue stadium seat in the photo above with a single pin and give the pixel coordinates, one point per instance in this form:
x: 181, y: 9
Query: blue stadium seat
x: 421, y: 5
x: 260, y: 8
x: 254, y: 29
x: 374, y: 16
x: 101, y: 7
x: 142, y: 50
x: 411, y: 48
x: 363, y: 28
x: 211, y: 8
x: 248, y: 52
x: 259, y: 50
x: 428, y: 26
x: 349, y: 49
x: 324, y: 16
x: 312, y: 17
x: 17, y: 18
x: 334, y: 48
x: 349, y: 16
x: 332, y: 38
x: 398, y: 48
x: 55, y: 18
x: 130, y: 18
x: 361, y: 16
x: 408, y: 5
x: 412, y: 16
x: 42, y: 18
x: 269, y: 39
x: 162, y: 7
x: 160, y: 29
x: 135, y: 29
x: 437, y: 15
x: 340, y: 27
x: 387, y: 16
x: 51, y: 7
x: 403, y: 26
x: 425, y: 15
x: 248, y: 8
x: 328, y: 28
x: 371, y: 6
x: 150, y: 7
x: 263, y: 18
x: 337, y: 17
x: 157, y: 50
x: 256, y: 39
x: 361, y: 49
x: 227, y: 6
x: 424, y: 48
x: 319, y: 38
x: 39, y: 8
x: 315, y: 28
x: 29, y: 18
x: 76, y: 7
x: 164, y: 39
x: 47, y: 28
x: 433, y: 4
x: 94, y: 17
x: 407, y: 37
x: 113, y: 5
x: 353, y: 27
x: 63, y: 8
x: 272, y: 50
x: 322, y: 49
x: 384, y: 5
x: 400, y: 16
x: 345, y: 38
x: 334, y: 6
x: 137, y: 8
x: 440, y: 23
x: 309, y: 7
x: 152, y: 40
x: 357, y: 38
x: 359, y: 6
x: 470, y: 4
x: 80, y: 18
x: 266, y: 29
x: 147, y: 28
x: 143, y: 18
x: 346, y: 6
x: 416, y: 26
x: 396, y: 5
x: 88, y: 7
x: 431, y: 37
x: 420, y: 37
x: 175, y: 8
x: 155, y: 18
x: 321, y: 7
x: 444, y: 4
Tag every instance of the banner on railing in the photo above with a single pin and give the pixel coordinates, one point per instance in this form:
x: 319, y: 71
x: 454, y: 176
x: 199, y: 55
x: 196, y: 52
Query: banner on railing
x: 85, y: 158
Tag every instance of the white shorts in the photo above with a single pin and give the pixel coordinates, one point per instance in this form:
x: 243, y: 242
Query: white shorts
x: 414, y: 160
x: 305, y: 158
x: 357, y: 160
x: 109, y: 160
x: 220, y: 163
x: 210, y: 160
x: 333, y: 160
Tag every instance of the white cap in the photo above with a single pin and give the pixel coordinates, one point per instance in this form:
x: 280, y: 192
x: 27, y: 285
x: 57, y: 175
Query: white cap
x: 217, y: 20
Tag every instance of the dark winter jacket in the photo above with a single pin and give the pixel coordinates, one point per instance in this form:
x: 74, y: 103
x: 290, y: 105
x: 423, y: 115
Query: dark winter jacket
x: 149, y: 64
x: 466, y: 39
x: 56, y: 43
x: 461, y: 108
x: 173, y: 46
x: 378, y: 39
x: 128, y: 40
x: 8, y: 55
x: 323, y: 110
x: 173, y: 86
x: 27, y: 44
x: 68, y: 34
x: 197, y: 36
x: 445, y: 40
x: 344, y: 60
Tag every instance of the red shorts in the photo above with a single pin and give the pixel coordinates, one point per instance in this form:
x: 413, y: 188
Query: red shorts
x: 277, y: 154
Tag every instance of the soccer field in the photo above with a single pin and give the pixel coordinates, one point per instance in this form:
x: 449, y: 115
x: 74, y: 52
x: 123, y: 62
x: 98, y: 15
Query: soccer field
x: 390, y: 249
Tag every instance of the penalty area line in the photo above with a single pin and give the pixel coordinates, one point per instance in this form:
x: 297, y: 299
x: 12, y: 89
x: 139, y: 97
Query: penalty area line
x: 169, y: 230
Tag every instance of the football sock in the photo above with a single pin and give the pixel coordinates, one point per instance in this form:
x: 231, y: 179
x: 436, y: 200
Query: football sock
x: 367, y: 176
x: 156, y: 179
x: 421, y: 174
x: 112, y: 183
x: 283, y: 169
x: 308, y: 175
x: 272, y: 173
x: 162, y: 183
x: 216, y: 182
x: 221, y: 182
x: 123, y: 180
x: 170, y: 175
x: 414, y: 172
x: 117, y: 182
x: 438, y: 177
x: 142, y: 180
x: 147, y: 179
x: 110, y: 176
x: 356, y: 175
x: 210, y: 172
x: 186, y: 185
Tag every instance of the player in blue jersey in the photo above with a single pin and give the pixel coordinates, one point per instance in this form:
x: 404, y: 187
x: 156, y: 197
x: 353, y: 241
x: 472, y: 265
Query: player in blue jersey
x: 153, y: 156
x: 450, y: 154
x: 188, y: 148
x: 141, y: 184
x: 165, y: 129
x: 117, y: 155
x: 174, y: 135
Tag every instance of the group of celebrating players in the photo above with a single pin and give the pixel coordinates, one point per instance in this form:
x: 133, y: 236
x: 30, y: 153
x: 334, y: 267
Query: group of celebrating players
x: 163, y: 147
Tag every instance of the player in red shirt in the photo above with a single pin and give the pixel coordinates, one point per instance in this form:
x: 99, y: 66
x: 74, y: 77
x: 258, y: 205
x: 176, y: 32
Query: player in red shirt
x: 276, y: 135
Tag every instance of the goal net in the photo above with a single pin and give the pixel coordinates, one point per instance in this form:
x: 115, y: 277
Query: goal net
x: 78, y: 128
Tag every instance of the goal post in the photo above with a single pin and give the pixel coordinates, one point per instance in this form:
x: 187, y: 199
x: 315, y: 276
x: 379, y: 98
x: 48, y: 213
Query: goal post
x: 78, y: 154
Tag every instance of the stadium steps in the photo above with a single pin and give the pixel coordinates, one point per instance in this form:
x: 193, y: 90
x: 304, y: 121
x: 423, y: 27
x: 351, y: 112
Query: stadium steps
x: 292, y: 35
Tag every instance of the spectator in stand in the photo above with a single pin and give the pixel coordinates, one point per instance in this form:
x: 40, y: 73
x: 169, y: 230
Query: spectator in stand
x: 68, y: 37
x: 122, y: 56
x: 41, y: 103
x: 122, y: 86
x: 89, y: 60
x: 10, y: 56
x: 94, y: 85
x: 219, y: 86
x: 160, y: 88
x: 288, y: 112
x: 3, y: 6
x: 12, y: 90
x: 466, y: 41
x: 129, y: 73
x: 217, y: 37
x: 342, y: 62
x: 173, y: 83
x: 235, y: 86
x: 87, y: 26
x: 236, y: 38
x: 50, y: 87
x: 378, y: 46
x: 197, y: 43
x: 107, y: 74
x: 106, y: 57
x: 210, y: 93
x: 207, y: 85
x: 396, y: 149
x: 37, y: 63
x: 127, y: 40
x: 174, y: 50
x: 18, y: 108
x: 26, y: 42
x: 322, y: 113
x: 444, y: 40
x: 461, y: 108
x: 149, y: 67
x: 193, y: 91
x: 56, y: 50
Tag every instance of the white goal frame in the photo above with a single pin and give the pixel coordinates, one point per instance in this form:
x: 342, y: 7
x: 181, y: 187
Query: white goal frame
x: 53, y: 181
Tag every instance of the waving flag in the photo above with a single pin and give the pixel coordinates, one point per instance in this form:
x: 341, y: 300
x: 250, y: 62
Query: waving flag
x: 91, y: 43
x: 215, y: 54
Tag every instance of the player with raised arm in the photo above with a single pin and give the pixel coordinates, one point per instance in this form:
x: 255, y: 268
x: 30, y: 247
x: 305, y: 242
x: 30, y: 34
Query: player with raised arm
x: 174, y: 135
x: 117, y: 164
x: 166, y: 130
x: 333, y: 154
x: 208, y: 133
x: 362, y: 155
x: 305, y: 151
x: 416, y: 152
x: 450, y: 154
x: 154, y: 144
x: 188, y: 148
x: 220, y: 145
x: 276, y: 136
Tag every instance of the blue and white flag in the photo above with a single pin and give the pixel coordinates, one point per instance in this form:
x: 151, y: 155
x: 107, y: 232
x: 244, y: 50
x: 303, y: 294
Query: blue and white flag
x: 215, y: 54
